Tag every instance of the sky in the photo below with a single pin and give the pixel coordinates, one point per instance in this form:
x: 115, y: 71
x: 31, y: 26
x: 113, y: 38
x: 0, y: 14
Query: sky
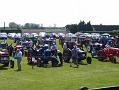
x: 59, y: 12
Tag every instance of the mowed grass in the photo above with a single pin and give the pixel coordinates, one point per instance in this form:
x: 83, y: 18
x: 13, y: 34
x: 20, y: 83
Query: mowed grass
x: 97, y: 74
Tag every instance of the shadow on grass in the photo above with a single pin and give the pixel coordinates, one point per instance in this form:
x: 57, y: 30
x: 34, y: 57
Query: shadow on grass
x: 17, y: 70
x: 83, y: 64
x: 106, y: 61
x: 3, y: 67
x: 116, y: 63
x: 109, y: 61
x: 45, y: 66
x: 74, y: 66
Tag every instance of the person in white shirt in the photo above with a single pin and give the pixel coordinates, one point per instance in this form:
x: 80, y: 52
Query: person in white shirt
x: 18, y: 56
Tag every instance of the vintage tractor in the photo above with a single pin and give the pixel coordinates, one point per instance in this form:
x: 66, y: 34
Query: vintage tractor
x: 70, y: 40
x: 3, y: 44
x: 83, y: 40
x: 110, y: 53
x: 82, y: 54
x: 5, y: 59
x: 94, y: 48
x: 48, y: 41
x: 26, y: 44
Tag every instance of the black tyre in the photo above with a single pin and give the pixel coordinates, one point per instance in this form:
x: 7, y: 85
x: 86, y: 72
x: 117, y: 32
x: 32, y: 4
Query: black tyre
x: 89, y: 60
x: 112, y: 59
x: 6, y: 64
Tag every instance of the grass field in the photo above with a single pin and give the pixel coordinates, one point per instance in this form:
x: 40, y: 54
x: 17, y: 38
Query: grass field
x: 97, y: 74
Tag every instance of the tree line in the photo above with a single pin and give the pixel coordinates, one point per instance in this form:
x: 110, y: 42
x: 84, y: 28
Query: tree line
x: 25, y: 26
x: 28, y: 26
x: 81, y: 27
x: 73, y: 28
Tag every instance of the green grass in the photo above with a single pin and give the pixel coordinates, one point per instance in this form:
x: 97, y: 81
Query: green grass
x: 97, y: 74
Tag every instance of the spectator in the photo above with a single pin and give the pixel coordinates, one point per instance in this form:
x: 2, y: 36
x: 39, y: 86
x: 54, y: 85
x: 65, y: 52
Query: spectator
x: 10, y: 49
x: 18, y: 56
x: 59, y: 53
x: 74, y: 56
x: 67, y: 55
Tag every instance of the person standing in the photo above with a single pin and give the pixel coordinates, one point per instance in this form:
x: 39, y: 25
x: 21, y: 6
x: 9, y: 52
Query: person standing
x: 74, y: 53
x: 18, y: 56
x: 10, y: 49
x: 59, y: 53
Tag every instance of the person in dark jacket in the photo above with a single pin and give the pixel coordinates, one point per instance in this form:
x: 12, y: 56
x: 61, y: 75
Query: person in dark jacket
x: 10, y: 49
x: 67, y: 55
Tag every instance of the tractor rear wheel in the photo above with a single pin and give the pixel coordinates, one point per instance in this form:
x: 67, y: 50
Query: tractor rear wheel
x: 6, y: 64
x: 89, y: 60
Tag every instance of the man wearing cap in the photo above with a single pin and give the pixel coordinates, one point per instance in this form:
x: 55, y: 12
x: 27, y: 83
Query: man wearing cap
x: 18, y: 56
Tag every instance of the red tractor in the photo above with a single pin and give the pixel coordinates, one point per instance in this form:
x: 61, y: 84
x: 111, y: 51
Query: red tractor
x: 5, y: 59
x: 110, y: 53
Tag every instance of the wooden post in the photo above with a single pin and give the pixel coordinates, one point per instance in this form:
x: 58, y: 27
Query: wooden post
x: 4, y: 25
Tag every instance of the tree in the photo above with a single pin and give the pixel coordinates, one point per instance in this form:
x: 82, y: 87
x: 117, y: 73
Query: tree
x: 72, y: 28
x: 26, y: 26
x: 12, y: 25
x: 19, y: 27
x: 89, y: 27
x: 81, y: 26
x: 31, y: 26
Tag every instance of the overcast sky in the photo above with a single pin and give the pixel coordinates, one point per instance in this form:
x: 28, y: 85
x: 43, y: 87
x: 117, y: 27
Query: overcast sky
x: 59, y: 12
